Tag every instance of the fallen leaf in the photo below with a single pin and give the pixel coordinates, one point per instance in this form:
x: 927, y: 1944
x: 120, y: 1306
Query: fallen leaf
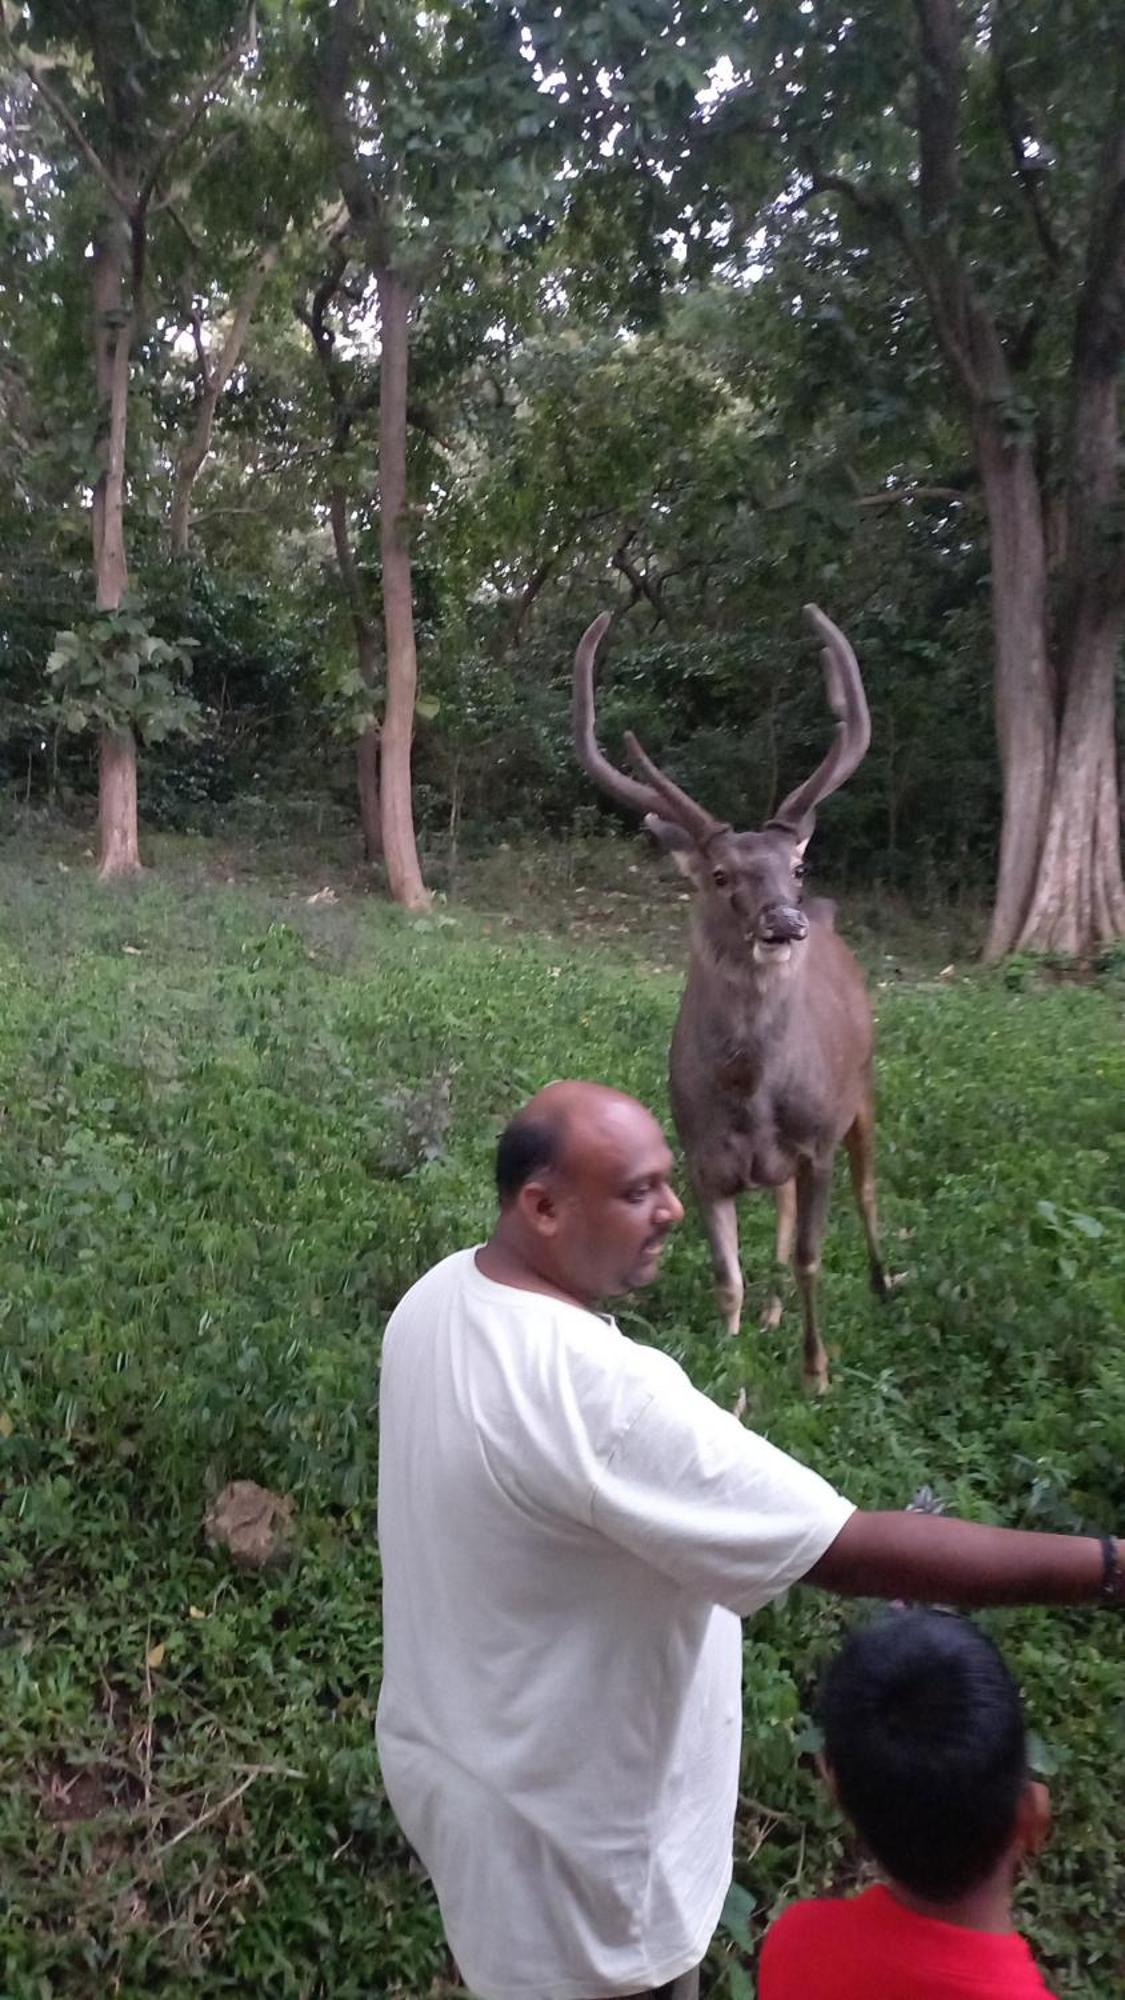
x: 193, y: 1611
x: 6, y: 1425
x: 155, y: 1656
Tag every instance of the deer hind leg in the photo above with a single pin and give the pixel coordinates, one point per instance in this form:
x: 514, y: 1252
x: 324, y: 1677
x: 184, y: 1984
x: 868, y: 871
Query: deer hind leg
x: 814, y: 1187
x: 720, y: 1219
x: 785, y: 1195
x: 860, y: 1142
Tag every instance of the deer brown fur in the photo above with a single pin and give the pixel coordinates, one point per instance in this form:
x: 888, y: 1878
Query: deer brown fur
x: 771, y: 1063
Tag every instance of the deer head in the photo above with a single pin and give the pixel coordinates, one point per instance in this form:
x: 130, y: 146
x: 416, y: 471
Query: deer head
x: 749, y: 884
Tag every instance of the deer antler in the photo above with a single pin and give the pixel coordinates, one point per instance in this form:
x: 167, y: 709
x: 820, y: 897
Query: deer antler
x: 844, y: 688
x: 660, y: 796
x: 675, y: 804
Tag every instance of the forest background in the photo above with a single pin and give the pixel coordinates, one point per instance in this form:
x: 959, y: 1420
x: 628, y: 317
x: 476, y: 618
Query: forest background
x: 335, y: 341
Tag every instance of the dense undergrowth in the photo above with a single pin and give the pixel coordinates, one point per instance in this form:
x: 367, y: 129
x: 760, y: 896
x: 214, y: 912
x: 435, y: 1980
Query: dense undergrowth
x: 235, y: 1125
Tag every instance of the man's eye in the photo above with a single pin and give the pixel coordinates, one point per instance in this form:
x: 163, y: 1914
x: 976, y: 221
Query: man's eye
x: 720, y: 877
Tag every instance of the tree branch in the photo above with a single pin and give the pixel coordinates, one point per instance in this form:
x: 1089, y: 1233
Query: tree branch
x: 175, y: 217
x: 535, y: 582
x: 182, y: 188
x: 898, y: 495
x: 939, y: 113
x: 200, y: 350
x: 61, y: 111
x: 955, y: 312
x: 332, y: 77
x: 881, y: 208
x: 242, y: 45
x: 640, y: 583
x: 1100, y: 330
x: 1029, y: 176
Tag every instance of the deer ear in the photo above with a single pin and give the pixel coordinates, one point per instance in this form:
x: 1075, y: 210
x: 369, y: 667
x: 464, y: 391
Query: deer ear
x: 678, y: 844
x: 668, y: 835
x: 800, y: 831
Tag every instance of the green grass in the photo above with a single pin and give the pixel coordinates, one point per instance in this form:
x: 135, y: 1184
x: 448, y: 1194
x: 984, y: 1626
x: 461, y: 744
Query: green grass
x: 235, y: 1125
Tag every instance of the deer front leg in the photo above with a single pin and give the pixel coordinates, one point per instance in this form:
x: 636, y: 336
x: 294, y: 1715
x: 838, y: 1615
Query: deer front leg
x: 720, y: 1219
x: 814, y: 1187
x: 860, y: 1142
x: 785, y: 1195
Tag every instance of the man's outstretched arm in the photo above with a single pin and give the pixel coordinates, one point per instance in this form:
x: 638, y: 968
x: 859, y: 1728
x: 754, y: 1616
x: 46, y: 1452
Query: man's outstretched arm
x: 930, y: 1559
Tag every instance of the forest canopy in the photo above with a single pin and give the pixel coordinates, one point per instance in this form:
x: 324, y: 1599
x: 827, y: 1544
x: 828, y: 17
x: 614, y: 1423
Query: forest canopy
x: 352, y: 359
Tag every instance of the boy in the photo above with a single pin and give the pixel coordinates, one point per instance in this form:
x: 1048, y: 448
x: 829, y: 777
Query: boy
x: 925, y: 1751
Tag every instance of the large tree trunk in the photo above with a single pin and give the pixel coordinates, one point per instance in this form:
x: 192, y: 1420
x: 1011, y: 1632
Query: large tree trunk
x: 1024, y: 680
x: 1060, y: 884
x: 119, y: 844
x: 399, y: 846
x: 215, y: 378
x: 1079, y: 899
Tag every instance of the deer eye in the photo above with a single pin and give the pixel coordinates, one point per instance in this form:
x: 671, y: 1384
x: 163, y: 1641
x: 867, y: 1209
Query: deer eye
x: 798, y: 871
x: 720, y: 877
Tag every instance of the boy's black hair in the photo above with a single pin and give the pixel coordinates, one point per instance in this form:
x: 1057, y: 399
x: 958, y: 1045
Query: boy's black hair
x: 525, y: 1147
x: 924, y: 1732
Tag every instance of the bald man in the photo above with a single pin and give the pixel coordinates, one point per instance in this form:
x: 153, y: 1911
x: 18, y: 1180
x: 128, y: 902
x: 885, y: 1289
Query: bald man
x: 571, y: 1534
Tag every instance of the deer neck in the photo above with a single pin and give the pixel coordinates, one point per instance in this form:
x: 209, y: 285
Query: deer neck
x: 751, y: 996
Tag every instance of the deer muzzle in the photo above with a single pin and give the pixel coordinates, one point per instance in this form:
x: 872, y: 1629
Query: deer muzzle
x: 782, y: 923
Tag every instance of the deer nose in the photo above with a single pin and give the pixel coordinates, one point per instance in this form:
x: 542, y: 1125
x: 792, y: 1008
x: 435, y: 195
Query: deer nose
x: 782, y: 923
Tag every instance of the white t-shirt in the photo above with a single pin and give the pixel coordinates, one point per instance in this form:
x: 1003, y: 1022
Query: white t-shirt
x: 570, y: 1533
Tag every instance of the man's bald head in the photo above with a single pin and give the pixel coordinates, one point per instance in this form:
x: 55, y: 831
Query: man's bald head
x: 555, y: 1127
x: 586, y: 1200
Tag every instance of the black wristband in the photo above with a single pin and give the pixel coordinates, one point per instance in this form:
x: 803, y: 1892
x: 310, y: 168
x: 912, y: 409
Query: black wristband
x: 1112, y: 1587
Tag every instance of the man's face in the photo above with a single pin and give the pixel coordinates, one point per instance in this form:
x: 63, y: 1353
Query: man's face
x: 615, y: 1204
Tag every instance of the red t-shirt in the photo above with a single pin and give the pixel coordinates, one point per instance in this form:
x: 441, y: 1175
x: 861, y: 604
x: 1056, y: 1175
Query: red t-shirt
x: 871, y: 1947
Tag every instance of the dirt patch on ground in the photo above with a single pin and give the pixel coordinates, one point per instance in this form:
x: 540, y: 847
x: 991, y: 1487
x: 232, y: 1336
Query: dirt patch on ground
x: 69, y: 1794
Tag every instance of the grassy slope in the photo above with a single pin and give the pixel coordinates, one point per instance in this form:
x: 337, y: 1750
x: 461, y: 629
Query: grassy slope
x: 218, y: 1102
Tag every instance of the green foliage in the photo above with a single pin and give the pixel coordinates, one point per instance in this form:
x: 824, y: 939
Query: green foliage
x: 116, y: 673
x: 237, y: 1123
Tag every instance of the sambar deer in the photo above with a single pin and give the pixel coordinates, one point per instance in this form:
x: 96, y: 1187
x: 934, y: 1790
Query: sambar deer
x: 771, y: 1062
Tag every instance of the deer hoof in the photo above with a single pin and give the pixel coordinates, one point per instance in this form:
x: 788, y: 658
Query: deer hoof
x: 817, y: 1383
x: 771, y: 1314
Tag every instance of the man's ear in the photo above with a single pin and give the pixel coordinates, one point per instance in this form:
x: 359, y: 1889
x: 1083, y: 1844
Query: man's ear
x: 828, y: 1778
x: 1033, y: 1818
x: 537, y: 1202
x: 677, y: 843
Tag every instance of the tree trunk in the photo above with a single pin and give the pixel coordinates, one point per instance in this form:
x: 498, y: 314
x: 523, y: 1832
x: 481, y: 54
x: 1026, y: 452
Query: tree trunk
x: 1059, y: 885
x: 1024, y: 681
x: 1079, y: 897
x: 117, y: 804
x: 193, y: 456
x: 397, y: 813
x: 367, y: 777
x: 119, y: 844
